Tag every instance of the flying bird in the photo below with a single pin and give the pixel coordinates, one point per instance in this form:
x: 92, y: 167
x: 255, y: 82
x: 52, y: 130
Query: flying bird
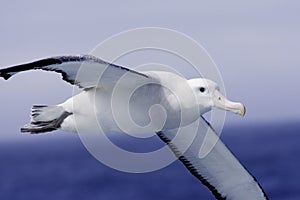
x: 120, y: 99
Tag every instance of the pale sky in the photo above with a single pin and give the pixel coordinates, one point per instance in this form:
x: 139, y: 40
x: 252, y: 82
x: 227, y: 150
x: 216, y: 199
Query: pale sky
x: 255, y: 45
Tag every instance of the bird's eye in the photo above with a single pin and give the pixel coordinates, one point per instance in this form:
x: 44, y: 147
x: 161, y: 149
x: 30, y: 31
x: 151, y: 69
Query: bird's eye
x: 202, y: 89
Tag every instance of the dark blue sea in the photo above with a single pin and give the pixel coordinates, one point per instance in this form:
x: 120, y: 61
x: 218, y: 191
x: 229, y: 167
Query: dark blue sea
x: 57, y: 166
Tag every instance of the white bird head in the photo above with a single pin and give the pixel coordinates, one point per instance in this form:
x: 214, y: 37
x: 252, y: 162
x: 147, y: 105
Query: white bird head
x: 208, y: 95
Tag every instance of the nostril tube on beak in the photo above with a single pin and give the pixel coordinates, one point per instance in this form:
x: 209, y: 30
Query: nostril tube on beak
x: 222, y: 103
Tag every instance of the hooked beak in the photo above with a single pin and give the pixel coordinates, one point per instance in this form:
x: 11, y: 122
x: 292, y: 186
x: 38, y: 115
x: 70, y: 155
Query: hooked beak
x: 222, y: 103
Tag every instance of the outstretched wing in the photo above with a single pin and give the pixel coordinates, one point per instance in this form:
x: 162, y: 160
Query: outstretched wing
x: 219, y: 170
x: 84, y: 71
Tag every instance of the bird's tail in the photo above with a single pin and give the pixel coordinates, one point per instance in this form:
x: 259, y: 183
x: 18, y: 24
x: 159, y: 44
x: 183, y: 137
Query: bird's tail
x: 45, y: 119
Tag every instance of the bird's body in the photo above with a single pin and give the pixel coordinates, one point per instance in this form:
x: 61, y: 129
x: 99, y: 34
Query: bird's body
x: 117, y: 99
x: 100, y: 107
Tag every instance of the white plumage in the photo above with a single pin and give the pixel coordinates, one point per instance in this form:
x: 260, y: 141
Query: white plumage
x: 118, y: 99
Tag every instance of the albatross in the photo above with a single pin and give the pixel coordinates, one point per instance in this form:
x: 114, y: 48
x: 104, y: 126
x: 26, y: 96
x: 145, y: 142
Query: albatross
x: 157, y: 101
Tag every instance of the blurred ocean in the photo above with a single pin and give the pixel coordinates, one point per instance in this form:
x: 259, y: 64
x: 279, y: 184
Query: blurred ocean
x: 57, y: 166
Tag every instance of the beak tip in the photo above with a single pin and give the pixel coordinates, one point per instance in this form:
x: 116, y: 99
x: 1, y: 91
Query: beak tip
x: 243, y: 110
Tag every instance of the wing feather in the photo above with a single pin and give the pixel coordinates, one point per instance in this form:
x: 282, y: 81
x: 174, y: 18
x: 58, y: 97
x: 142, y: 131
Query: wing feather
x: 84, y: 71
x: 219, y: 170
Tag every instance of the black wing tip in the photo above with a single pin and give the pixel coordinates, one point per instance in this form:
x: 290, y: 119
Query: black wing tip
x: 4, y: 75
x: 8, y: 72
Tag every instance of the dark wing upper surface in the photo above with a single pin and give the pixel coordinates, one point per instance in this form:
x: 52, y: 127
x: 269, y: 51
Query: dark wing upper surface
x: 84, y: 71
